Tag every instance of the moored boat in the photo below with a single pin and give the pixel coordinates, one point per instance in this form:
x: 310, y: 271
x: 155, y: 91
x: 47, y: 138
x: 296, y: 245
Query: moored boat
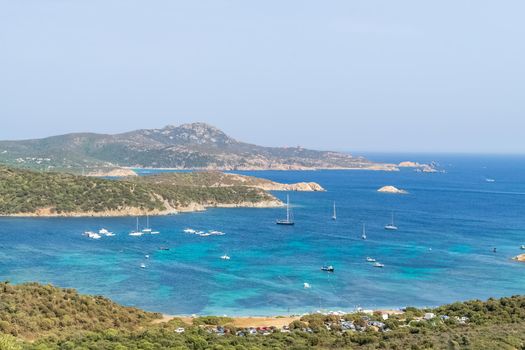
x: 328, y: 268
x: 289, y: 220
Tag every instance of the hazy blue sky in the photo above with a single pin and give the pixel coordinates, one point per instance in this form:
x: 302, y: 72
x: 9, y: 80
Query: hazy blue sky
x: 354, y: 75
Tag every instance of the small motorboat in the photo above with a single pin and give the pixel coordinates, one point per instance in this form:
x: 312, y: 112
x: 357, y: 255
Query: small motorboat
x: 378, y: 264
x: 307, y: 285
x: 327, y: 268
x: 189, y: 230
x: 522, y: 247
x: 225, y: 257
x: 105, y: 232
x: 164, y: 248
x: 154, y: 232
x: 92, y: 235
x: 142, y: 266
x: 146, y: 256
x: 369, y: 259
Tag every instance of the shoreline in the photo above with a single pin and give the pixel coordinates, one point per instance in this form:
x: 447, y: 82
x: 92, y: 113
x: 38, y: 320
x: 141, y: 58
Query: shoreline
x: 130, y: 212
x: 269, y: 321
x: 375, y: 167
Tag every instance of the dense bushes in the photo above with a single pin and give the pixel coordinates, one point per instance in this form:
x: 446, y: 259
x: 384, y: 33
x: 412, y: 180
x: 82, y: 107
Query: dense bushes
x: 24, y: 191
x: 30, y: 309
x: 62, y: 319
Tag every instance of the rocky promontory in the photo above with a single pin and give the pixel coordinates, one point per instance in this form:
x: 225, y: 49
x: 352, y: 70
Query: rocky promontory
x: 218, y: 179
x: 117, y: 172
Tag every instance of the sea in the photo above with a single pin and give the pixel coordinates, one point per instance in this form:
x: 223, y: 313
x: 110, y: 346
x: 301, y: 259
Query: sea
x: 457, y: 232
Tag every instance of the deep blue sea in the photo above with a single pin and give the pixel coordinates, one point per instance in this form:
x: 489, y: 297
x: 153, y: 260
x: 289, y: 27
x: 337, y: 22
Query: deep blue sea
x: 449, y: 224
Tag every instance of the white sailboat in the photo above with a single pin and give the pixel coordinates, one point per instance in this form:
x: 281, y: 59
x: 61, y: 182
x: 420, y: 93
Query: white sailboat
x: 363, y: 236
x: 136, y: 232
x: 289, y: 219
x: 391, y: 226
x: 147, y: 229
x: 334, y: 215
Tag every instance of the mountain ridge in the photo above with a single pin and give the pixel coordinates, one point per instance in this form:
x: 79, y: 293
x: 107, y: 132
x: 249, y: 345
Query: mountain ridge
x: 187, y: 146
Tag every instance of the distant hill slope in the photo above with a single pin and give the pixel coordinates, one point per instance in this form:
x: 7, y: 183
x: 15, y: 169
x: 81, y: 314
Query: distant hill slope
x: 26, y: 192
x: 188, y: 146
x: 219, y: 179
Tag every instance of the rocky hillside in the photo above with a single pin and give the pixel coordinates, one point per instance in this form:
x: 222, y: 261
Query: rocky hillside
x: 218, y: 179
x: 188, y: 146
x: 28, y: 193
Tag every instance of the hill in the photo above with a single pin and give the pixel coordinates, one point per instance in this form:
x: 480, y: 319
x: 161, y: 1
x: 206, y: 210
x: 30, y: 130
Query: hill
x: 215, y: 179
x: 188, y: 146
x: 55, y: 318
x: 28, y: 193
x: 31, y: 309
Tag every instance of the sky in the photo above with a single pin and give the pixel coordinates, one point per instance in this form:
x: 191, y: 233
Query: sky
x: 375, y: 76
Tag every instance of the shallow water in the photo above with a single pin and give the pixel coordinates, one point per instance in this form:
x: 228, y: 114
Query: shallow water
x: 458, y: 215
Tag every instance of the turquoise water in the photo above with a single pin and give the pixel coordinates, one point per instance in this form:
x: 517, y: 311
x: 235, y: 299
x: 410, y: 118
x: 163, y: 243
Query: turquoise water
x: 458, y: 215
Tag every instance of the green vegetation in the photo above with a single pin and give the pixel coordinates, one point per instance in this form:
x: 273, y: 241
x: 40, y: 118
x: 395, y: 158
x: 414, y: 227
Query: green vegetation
x: 33, y: 309
x: 44, y: 317
x: 201, y: 179
x: 190, y: 146
x: 25, y: 191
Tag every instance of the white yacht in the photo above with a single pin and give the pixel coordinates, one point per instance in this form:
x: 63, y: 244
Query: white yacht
x: 391, y: 226
x: 225, y: 257
x: 142, y: 266
x: 148, y: 229
x: 92, y: 235
x: 369, y: 259
x: 136, y: 233
x: 105, y: 232
x: 307, y: 285
x: 378, y: 264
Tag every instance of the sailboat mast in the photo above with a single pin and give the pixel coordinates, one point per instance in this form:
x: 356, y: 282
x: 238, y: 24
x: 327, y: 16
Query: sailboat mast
x: 287, y: 208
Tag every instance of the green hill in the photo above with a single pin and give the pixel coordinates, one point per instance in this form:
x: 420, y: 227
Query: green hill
x: 31, y: 310
x: 188, y: 146
x: 28, y: 192
x: 41, y: 317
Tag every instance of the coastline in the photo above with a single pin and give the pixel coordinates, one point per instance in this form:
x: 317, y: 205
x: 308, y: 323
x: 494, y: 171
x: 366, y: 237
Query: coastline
x: 372, y: 167
x: 128, y: 212
x: 278, y: 321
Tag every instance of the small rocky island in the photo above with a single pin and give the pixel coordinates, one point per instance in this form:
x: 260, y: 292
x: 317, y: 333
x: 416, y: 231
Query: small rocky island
x: 391, y: 189
x: 520, y: 258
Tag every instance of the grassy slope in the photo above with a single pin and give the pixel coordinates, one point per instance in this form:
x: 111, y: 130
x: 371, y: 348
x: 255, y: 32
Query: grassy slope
x: 32, y: 309
x: 24, y: 191
x: 61, y: 318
